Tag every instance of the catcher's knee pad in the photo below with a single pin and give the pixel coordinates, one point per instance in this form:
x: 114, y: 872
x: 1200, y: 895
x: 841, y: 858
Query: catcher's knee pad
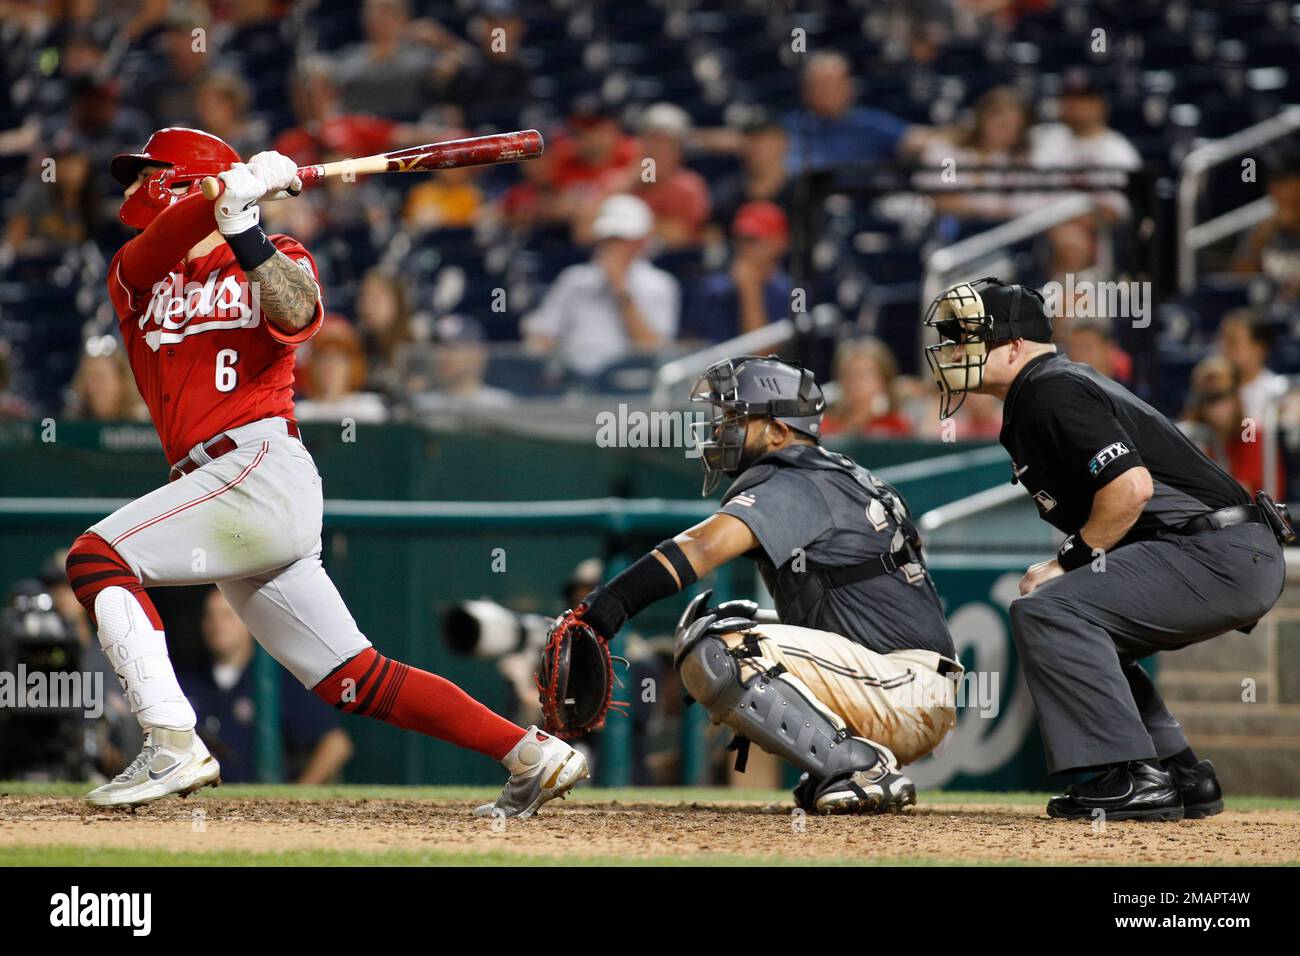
x: 773, y: 709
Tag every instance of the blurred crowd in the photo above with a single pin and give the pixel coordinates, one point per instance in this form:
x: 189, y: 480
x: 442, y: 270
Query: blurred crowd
x: 671, y: 209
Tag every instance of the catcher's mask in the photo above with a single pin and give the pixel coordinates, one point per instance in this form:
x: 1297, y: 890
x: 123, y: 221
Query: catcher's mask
x: 747, y: 387
x: 972, y: 318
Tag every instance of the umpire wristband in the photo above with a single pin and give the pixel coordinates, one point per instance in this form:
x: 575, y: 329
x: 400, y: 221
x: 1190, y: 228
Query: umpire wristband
x: 251, y: 248
x: 1074, y: 553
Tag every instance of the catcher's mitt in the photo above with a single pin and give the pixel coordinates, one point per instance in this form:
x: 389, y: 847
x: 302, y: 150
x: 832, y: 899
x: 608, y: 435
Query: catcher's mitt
x: 576, y: 680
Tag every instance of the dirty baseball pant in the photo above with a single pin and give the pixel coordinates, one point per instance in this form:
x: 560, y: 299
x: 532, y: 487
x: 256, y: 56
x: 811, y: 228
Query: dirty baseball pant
x: 898, y: 701
x: 250, y: 522
x: 1081, y: 635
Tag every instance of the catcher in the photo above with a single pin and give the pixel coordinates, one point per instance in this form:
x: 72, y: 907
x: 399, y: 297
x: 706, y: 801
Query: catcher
x: 860, y: 676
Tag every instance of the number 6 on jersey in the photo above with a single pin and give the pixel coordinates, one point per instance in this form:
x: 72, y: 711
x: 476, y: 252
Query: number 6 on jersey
x: 227, y: 377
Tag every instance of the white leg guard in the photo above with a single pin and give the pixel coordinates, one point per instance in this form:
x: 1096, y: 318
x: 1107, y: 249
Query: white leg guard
x: 138, y: 654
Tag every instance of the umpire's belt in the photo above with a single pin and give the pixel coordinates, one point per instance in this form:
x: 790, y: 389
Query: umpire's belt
x: 1223, y: 518
x: 214, y: 448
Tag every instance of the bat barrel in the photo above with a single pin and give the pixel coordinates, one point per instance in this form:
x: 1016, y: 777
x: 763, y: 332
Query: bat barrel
x: 475, y: 151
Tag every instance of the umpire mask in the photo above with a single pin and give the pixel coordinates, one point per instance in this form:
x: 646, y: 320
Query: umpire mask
x: 971, y: 318
x: 750, y: 386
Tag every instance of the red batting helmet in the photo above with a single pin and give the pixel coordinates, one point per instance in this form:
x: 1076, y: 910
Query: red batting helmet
x: 187, y: 154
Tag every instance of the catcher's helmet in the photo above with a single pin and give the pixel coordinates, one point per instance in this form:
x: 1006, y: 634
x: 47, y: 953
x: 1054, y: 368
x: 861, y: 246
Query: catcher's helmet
x: 746, y: 387
x: 976, y: 316
x: 187, y: 154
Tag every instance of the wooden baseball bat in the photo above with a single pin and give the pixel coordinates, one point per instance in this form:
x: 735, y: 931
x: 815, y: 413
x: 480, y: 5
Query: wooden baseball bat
x: 474, y: 151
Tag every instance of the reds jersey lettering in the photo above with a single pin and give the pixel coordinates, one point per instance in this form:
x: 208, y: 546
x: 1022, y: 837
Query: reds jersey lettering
x: 205, y: 359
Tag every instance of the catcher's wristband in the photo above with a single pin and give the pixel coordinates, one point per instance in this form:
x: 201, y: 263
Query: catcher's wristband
x: 1074, y: 553
x: 643, y: 582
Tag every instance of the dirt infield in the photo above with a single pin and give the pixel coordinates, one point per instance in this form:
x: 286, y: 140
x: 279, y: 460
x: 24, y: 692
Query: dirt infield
x: 604, y: 831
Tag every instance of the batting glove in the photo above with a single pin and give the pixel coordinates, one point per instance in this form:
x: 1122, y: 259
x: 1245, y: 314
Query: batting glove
x: 236, y: 208
x: 279, y: 171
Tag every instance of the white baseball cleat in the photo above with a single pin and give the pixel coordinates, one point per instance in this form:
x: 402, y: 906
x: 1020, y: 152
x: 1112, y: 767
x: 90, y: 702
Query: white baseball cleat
x: 878, y: 790
x: 172, y: 761
x: 541, y: 768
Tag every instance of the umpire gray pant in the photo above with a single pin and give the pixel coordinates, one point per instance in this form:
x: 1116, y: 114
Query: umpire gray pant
x: 1081, y: 635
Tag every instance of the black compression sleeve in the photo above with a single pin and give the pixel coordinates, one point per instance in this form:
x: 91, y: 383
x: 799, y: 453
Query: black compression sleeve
x: 629, y: 593
x: 671, y: 550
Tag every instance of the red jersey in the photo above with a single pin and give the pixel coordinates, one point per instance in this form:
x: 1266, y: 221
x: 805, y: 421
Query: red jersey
x: 205, y: 360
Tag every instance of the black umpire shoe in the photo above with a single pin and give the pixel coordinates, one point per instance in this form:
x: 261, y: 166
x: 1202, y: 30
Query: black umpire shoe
x: 1126, y: 791
x: 1199, y: 787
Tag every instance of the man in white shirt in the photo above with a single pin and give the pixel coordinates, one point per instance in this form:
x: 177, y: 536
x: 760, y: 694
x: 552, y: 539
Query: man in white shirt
x: 1245, y: 342
x: 602, y: 311
x: 1083, y: 140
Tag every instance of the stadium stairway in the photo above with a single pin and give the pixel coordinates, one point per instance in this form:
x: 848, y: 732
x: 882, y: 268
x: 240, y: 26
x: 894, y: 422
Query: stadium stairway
x: 1255, y: 744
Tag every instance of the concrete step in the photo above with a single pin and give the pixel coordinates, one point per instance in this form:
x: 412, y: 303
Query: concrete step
x: 1252, y: 767
x: 1268, y: 723
x: 1242, y: 655
x: 1189, y: 686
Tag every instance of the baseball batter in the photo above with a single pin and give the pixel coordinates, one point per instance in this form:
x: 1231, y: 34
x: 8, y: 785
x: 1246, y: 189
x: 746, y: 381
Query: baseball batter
x: 211, y: 310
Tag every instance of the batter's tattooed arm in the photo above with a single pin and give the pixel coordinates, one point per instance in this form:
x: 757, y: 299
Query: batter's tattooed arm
x: 286, y: 291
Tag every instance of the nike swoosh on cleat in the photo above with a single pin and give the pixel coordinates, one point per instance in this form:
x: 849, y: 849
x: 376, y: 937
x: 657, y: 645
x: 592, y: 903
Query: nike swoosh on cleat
x: 556, y: 776
x: 165, y: 773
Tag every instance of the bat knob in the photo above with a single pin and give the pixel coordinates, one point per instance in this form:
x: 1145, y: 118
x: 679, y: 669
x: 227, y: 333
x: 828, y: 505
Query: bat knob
x: 210, y: 187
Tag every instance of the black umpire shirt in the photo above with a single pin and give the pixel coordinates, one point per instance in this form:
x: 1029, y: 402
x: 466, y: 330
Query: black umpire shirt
x: 808, y: 501
x: 1071, y: 431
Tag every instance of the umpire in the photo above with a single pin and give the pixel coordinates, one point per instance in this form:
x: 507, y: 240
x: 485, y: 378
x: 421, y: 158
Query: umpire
x: 1163, y: 549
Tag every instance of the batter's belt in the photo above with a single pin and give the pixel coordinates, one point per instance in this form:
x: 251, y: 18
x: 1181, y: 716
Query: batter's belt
x: 214, y: 448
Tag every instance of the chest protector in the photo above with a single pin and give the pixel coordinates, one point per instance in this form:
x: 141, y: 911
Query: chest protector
x: 801, y: 586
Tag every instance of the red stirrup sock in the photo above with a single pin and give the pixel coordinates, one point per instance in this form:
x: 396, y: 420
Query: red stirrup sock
x: 93, y: 565
x: 375, y: 686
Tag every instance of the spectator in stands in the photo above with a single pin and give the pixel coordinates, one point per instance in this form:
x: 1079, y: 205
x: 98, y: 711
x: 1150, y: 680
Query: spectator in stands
x: 333, y: 378
x: 324, y: 128
x: 1083, y: 138
x: 222, y: 103
x: 535, y: 202
x: 755, y: 290
x: 678, y: 197
x: 390, y: 73
x: 763, y: 175
x: 995, y: 135
x: 1216, y: 420
x: 866, y: 372
x: 1273, y: 247
x: 50, y: 215
x: 490, y: 82
x: 1245, y: 340
x: 169, y: 94
x: 594, y: 147
x: 13, y: 407
x: 316, y: 748
x: 454, y: 379
x: 99, y: 125
x: 1090, y: 342
x: 599, y: 312
x: 830, y: 130
x: 449, y: 199
x: 387, y: 324
x: 103, y: 388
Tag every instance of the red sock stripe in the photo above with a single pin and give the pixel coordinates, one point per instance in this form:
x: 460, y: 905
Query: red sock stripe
x: 413, y: 699
x: 93, y: 565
